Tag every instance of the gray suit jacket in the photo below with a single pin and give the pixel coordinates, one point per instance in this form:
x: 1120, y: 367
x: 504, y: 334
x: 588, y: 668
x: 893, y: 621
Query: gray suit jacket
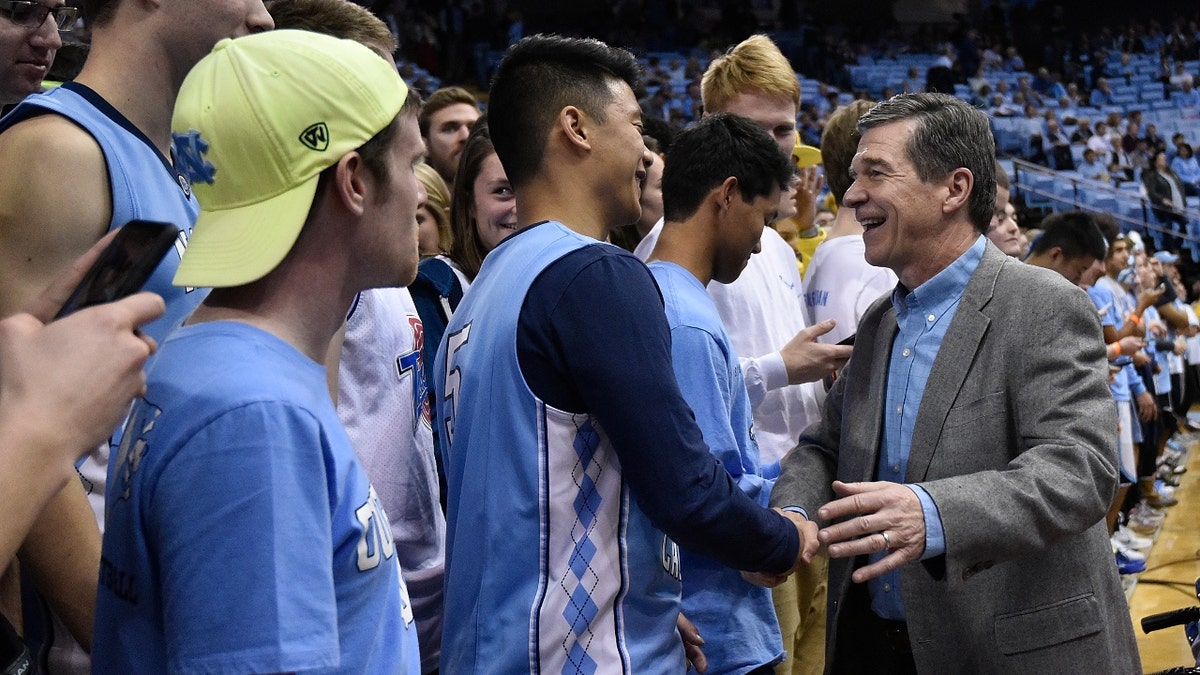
x: 1015, y: 440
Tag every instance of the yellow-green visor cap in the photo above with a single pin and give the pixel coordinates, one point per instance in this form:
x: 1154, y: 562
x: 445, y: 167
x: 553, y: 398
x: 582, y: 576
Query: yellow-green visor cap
x: 255, y: 124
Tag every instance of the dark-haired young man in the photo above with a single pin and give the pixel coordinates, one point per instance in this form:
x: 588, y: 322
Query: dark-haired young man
x: 1070, y: 244
x: 721, y: 189
x: 573, y: 463
x: 104, y: 140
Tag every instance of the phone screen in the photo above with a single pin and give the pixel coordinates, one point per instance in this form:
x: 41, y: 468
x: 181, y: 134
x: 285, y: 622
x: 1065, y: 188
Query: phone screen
x: 123, y: 266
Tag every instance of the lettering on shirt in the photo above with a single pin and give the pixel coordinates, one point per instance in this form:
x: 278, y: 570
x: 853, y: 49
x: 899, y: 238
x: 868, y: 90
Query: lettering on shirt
x: 412, y: 365
x: 134, y: 444
x: 670, y: 558
x: 120, y: 583
x: 454, y: 343
x: 817, y: 298
x: 376, y: 543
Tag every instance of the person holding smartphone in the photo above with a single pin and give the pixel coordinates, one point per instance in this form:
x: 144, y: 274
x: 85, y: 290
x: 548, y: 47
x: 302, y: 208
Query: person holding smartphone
x: 49, y: 416
x: 104, y: 139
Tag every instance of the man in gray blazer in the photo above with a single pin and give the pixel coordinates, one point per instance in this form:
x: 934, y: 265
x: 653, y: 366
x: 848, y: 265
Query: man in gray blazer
x: 966, y: 458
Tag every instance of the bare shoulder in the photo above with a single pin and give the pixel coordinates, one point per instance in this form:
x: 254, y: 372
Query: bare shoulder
x: 55, y: 202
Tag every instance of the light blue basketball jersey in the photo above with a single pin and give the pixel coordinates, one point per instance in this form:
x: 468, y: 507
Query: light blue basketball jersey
x: 551, y: 567
x: 242, y: 533
x: 144, y: 185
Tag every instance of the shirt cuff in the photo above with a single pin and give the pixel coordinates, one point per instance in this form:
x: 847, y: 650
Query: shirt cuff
x: 774, y: 372
x: 795, y: 509
x: 935, y: 537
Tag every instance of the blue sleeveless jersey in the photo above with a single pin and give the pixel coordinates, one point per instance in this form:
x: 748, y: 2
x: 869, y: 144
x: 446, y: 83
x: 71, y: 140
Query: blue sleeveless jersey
x: 551, y: 567
x: 144, y: 185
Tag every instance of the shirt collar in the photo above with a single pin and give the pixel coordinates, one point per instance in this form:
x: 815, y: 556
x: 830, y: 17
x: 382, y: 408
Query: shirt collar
x: 945, y: 287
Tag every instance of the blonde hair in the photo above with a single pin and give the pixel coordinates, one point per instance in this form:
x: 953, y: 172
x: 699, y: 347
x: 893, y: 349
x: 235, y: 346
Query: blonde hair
x: 438, y: 203
x: 753, y: 64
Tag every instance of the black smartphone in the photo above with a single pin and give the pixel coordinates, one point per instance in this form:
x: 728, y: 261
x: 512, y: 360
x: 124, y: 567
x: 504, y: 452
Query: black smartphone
x: 829, y: 379
x: 1168, y: 295
x: 123, y: 266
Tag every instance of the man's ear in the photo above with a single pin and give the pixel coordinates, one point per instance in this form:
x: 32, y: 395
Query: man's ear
x: 959, y: 184
x: 576, y: 127
x: 727, y: 191
x: 350, y: 183
x: 1055, y: 254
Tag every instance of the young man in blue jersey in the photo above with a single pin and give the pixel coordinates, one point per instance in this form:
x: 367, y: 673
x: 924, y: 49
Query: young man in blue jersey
x: 105, y: 140
x: 721, y: 187
x: 573, y: 462
x: 242, y: 531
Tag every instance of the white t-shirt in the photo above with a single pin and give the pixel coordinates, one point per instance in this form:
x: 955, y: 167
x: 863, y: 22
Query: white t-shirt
x: 841, y: 285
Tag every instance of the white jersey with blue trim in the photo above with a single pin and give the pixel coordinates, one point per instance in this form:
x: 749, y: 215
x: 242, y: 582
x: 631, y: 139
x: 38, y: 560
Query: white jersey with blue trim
x: 551, y: 565
x: 384, y: 403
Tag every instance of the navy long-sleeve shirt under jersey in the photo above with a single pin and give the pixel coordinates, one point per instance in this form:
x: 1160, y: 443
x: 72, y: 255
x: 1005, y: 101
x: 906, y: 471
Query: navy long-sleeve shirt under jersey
x: 593, y: 338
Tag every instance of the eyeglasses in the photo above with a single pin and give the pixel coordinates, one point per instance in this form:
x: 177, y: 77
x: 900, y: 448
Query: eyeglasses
x: 33, y: 14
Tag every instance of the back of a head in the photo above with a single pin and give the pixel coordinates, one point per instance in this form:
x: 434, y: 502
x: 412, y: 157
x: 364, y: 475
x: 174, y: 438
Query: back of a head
x: 704, y: 155
x: 1074, y: 232
x: 1002, y: 178
x: 440, y: 99
x: 338, y: 18
x: 438, y: 203
x: 754, y: 64
x: 536, y: 79
x: 257, y: 123
x: 839, y: 143
x: 949, y: 135
x: 661, y: 131
x: 1109, y: 228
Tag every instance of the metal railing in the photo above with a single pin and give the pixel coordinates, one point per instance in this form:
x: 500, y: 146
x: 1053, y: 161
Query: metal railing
x: 1046, y: 189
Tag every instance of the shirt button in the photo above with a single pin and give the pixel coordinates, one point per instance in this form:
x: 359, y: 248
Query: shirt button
x: 906, y: 352
x: 895, y: 468
x: 931, y: 317
x: 887, y: 588
x: 899, y: 409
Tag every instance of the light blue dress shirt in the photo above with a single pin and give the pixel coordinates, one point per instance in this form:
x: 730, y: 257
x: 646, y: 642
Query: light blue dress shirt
x: 923, y: 316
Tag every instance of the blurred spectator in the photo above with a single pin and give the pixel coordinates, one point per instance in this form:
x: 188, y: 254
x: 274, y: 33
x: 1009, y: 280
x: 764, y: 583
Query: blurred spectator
x: 1187, y: 168
x: 1092, y: 168
x: 446, y: 121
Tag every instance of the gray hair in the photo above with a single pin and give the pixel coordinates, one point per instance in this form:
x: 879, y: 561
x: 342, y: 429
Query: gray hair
x: 949, y: 135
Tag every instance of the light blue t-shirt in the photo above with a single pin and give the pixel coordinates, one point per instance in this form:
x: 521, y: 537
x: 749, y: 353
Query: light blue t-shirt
x: 715, y: 598
x: 242, y: 532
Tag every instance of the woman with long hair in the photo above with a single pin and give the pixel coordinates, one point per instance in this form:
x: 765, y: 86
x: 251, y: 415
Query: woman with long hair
x: 483, y: 212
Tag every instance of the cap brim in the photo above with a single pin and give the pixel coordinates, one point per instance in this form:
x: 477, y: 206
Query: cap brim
x: 805, y: 156
x: 236, y: 246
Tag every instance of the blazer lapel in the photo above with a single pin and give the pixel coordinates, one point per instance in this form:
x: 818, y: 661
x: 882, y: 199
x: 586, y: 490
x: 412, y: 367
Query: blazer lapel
x: 952, y: 365
x: 864, y: 423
